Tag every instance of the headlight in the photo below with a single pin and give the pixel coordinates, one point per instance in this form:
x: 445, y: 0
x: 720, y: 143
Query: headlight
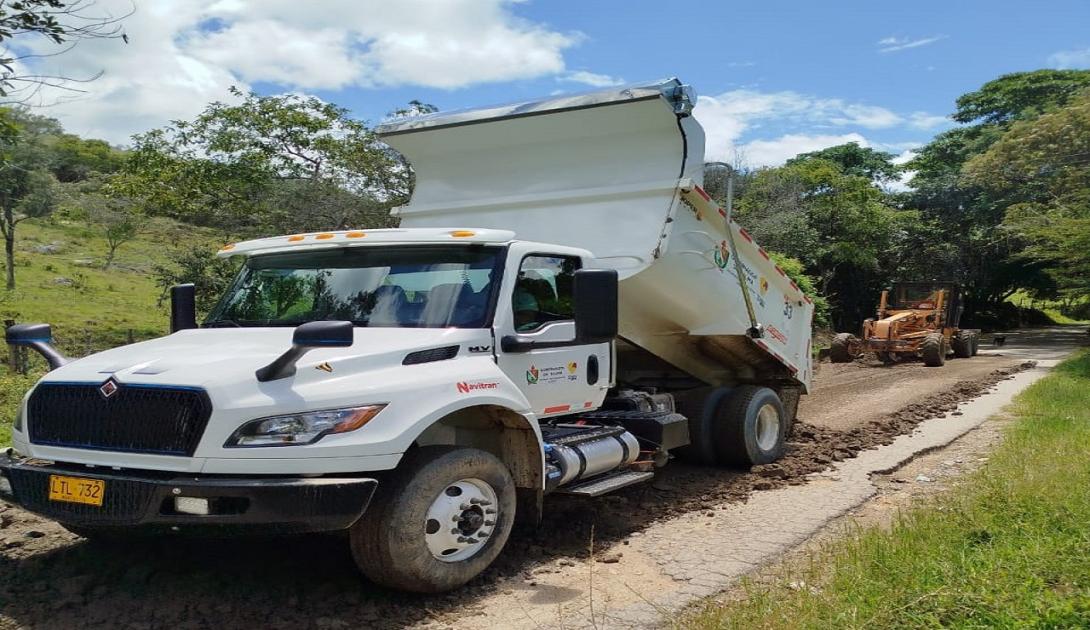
x: 302, y: 428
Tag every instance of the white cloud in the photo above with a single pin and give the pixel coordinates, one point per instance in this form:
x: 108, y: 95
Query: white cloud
x: 591, y: 78
x: 184, y: 53
x: 868, y: 116
x: 727, y: 117
x: 893, y: 44
x: 779, y: 150
x: 925, y: 121
x: 1068, y: 59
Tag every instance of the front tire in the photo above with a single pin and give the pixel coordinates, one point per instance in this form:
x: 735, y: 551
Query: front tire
x: 752, y: 427
x: 439, y: 520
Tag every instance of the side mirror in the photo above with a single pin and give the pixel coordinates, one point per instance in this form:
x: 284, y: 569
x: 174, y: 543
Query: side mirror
x: 307, y: 336
x: 595, y: 297
x: 183, y: 307
x: 323, y: 335
x: 38, y: 337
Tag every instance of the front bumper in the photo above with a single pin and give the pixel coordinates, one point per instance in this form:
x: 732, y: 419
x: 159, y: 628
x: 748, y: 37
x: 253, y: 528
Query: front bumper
x: 145, y: 499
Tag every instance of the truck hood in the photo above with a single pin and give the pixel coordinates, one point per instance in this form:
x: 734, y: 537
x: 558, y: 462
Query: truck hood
x: 210, y: 358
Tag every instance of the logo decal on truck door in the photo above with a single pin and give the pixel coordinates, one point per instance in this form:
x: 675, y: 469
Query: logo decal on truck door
x: 465, y: 388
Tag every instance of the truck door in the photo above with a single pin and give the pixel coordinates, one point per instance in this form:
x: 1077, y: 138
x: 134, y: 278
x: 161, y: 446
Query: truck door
x: 557, y: 374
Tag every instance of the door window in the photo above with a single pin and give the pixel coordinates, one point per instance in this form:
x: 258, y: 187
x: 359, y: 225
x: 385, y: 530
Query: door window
x: 543, y: 291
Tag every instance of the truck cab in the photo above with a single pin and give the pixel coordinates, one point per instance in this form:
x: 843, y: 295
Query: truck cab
x: 589, y: 316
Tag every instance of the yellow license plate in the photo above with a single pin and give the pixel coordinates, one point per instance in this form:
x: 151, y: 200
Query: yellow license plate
x: 76, y: 490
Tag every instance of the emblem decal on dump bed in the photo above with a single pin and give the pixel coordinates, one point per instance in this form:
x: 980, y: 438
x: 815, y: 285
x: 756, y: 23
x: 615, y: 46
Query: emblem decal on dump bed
x: 109, y: 388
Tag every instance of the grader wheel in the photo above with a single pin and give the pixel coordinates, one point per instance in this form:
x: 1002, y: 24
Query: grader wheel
x: 933, y: 350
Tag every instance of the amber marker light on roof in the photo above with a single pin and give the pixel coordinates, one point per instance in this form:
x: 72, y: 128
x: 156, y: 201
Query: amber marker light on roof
x: 355, y: 234
x: 228, y: 247
x: 324, y: 236
x: 462, y: 233
x: 296, y: 238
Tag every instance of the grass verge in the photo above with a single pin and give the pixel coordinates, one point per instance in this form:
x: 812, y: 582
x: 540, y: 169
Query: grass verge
x: 1007, y: 549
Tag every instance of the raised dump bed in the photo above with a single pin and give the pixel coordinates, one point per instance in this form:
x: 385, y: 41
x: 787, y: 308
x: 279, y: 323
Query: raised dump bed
x: 619, y: 173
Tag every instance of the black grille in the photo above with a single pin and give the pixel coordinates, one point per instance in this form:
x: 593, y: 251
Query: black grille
x: 135, y: 418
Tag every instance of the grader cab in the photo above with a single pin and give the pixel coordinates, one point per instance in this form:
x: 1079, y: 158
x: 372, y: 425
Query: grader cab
x: 914, y: 319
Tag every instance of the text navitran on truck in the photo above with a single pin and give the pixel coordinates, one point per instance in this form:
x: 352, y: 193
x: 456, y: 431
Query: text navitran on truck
x: 562, y: 309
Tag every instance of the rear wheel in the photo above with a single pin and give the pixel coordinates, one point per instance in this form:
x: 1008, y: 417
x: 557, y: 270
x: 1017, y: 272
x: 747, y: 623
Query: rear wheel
x: 841, y: 350
x: 437, y: 522
x: 751, y: 428
x: 962, y: 344
x: 976, y: 344
x: 701, y: 407
x: 933, y: 350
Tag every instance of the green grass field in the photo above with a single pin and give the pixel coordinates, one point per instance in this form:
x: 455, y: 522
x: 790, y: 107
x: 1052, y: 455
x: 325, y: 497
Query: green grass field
x: 1052, y: 309
x: 90, y: 307
x: 1009, y: 549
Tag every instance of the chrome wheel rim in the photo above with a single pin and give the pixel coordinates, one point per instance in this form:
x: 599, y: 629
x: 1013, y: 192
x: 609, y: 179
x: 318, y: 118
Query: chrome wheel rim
x: 768, y: 427
x: 460, y: 520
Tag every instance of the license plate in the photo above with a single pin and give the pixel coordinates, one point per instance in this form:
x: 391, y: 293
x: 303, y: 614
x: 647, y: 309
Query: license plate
x: 76, y: 490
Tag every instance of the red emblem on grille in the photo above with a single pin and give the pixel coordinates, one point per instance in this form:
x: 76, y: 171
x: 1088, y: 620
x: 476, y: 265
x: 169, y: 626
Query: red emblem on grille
x: 109, y: 388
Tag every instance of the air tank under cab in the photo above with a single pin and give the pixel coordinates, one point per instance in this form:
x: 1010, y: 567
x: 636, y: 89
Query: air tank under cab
x: 562, y: 309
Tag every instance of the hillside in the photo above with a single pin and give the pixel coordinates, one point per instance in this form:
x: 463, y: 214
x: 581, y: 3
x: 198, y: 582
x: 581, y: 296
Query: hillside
x: 61, y: 281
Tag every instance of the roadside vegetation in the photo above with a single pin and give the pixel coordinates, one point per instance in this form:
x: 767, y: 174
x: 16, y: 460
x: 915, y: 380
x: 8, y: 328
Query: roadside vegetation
x: 1006, y: 549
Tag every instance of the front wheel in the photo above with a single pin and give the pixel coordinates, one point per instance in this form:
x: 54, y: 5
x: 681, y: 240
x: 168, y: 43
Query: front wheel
x: 437, y: 522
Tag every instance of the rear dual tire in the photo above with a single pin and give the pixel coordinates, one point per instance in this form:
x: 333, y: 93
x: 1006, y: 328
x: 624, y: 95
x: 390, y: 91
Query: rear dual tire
x: 739, y: 427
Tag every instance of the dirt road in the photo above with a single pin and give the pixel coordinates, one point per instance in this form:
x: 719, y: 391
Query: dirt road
x: 49, y: 578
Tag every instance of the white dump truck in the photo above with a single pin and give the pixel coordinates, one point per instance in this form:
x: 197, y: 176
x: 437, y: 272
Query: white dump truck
x: 563, y: 309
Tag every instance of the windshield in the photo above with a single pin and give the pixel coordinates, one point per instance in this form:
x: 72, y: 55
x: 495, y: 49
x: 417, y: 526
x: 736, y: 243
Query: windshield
x: 403, y: 286
x: 914, y: 296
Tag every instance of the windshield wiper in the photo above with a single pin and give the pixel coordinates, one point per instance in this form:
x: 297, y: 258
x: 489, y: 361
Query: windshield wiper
x: 223, y: 323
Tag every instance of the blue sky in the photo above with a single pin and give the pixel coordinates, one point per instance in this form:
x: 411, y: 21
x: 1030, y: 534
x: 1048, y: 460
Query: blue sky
x: 775, y: 76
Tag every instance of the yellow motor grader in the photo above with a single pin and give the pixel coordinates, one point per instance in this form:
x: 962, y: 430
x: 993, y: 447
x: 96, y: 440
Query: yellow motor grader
x: 914, y: 319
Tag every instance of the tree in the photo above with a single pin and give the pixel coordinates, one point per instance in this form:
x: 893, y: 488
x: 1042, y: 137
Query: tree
x: 989, y: 261
x: 1038, y: 172
x: 839, y: 224
x: 855, y: 160
x: 61, y: 24
x: 285, y: 163
x: 27, y: 188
